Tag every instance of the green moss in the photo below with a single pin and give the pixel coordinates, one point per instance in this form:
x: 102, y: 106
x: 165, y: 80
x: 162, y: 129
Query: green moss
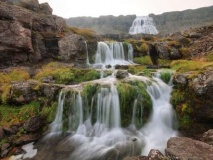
x: 145, y: 60
x: 209, y: 57
x: 186, y: 52
x: 185, y: 66
x: 48, y: 112
x: 67, y: 75
x: 166, y: 76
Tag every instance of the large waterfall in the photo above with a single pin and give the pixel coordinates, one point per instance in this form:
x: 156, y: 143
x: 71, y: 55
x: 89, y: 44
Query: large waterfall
x: 93, y: 120
x: 113, y: 53
x: 143, y: 24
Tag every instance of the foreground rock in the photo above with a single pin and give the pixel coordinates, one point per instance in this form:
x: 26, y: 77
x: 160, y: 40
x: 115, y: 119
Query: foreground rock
x: 208, y: 137
x: 182, y: 148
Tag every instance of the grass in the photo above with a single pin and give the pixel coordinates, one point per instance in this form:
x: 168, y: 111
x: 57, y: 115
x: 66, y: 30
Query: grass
x: 87, y: 33
x: 186, y: 66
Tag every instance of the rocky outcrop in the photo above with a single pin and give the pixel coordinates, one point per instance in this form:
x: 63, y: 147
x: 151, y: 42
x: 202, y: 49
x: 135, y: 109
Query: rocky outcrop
x: 33, y: 124
x: 26, y: 30
x: 182, y: 148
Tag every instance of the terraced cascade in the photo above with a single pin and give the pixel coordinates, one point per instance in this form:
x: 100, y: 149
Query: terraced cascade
x: 110, y: 119
x: 113, y: 53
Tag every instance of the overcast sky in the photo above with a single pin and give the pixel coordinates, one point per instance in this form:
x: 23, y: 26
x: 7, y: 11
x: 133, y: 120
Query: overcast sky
x: 95, y: 8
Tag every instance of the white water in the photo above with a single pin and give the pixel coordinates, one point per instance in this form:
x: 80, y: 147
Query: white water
x: 87, y: 54
x: 143, y: 24
x: 106, y: 138
x: 112, y: 53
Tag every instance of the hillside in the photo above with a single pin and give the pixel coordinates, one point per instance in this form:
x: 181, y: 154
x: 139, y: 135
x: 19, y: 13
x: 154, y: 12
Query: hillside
x: 166, y: 23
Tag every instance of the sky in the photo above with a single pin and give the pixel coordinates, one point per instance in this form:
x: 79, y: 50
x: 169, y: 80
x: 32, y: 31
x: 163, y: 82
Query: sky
x: 96, y: 8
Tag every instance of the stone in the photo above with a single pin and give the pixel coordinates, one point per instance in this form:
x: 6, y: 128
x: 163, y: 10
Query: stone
x: 25, y: 139
x: 122, y: 74
x: 5, y: 146
x: 175, y: 54
x: 182, y: 148
x: 180, y: 79
x: 155, y: 155
x: 136, y: 158
x: 1, y: 133
x: 162, y: 50
x: 72, y: 48
x: 4, y: 153
x: 28, y: 4
x: 208, y: 137
x: 22, y: 93
x: 45, y: 9
x: 17, y: 151
x: 194, y: 35
x: 33, y: 124
x: 9, y: 131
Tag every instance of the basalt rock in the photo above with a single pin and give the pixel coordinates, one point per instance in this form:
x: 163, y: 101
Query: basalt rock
x: 122, y: 74
x: 182, y: 148
x: 25, y: 139
x: 33, y: 124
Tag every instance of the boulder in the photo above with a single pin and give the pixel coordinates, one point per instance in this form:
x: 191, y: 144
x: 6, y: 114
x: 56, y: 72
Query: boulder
x: 5, y: 146
x: 9, y: 131
x: 45, y: 9
x: 182, y: 148
x: 122, y: 74
x: 22, y: 93
x: 208, y: 137
x: 155, y: 155
x: 72, y: 48
x: 175, y: 54
x: 162, y: 50
x: 33, y: 124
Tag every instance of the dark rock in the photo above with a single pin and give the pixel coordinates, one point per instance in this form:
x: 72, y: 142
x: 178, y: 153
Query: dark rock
x: 45, y: 9
x: 208, y: 137
x: 175, y: 54
x: 9, y: 131
x: 155, y: 155
x: 17, y: 151
x: 1, y: 133
x: 33, y: 124
x: 162, y: 50
x: 50, y: 91
x: 48, y: 79
x: 5, y: 146
x: 25, y: 139
x: 122, y: 74
x: 121, y: 67
x: 182, y: 148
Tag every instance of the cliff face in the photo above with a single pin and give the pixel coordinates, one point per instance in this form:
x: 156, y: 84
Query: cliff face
x: 179, y: 21
x: 166, y: 23
x: 104, y: 24
x: 28, y: 32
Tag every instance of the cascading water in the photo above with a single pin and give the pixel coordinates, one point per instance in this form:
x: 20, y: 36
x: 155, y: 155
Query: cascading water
x: 113, y: 53
x: 87, y: 54
x: 96, y: 131
x: 143, y: 24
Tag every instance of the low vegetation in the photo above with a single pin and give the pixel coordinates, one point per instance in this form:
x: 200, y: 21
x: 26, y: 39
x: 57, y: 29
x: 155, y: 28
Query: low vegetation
x: 87, y: 33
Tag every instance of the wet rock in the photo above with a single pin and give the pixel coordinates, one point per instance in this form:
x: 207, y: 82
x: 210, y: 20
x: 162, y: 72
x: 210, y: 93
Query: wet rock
x: 155, y: 155
x: 121, y: 67
x: 122, y: 74
x: 25, y: 139
x: 1, y: 133
x: 136, y: 158
x: 182, y: 148
x: 208, y: 137
x: 33, y: 124
x: 17, y: 151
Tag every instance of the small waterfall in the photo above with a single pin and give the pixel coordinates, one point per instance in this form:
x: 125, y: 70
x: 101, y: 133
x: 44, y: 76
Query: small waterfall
x: 57, y: 124
x: 87, y: 54
x: 113, y: 53
x: 143, y: 24
x: 160, y: 126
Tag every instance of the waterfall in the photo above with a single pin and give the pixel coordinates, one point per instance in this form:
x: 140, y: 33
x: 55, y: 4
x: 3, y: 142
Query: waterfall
x: 113, y: 53
x: 143, y: 24
x: 160, y: 126
x: 87, y: 54
x: 94, y: 126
